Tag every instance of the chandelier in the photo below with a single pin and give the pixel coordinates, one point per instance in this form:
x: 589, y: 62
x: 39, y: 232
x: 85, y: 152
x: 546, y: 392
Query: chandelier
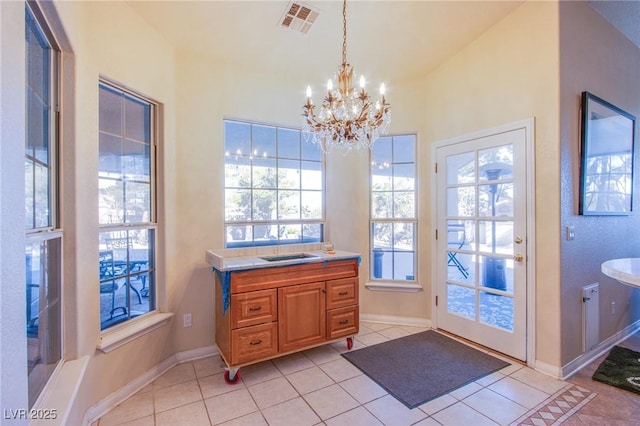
x: 347, y: 119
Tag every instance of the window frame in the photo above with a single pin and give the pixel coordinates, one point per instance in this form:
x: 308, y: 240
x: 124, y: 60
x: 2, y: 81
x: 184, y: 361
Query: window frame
x: 378, y: 281
x: 321, y: 222
x: 52, y: 233
x: 151, y: 225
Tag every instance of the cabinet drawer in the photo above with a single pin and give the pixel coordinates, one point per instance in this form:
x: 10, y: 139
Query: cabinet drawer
x: 343, y: 292
x: 342, y: 322
x: 253, y: 343
x: 256, y: 307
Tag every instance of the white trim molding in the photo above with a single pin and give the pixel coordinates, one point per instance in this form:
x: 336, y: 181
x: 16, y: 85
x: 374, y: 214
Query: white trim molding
x: 396, y: 320
x: 104, y: 406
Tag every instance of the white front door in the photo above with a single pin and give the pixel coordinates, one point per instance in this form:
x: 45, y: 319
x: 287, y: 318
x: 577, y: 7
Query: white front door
x: 481, y: 246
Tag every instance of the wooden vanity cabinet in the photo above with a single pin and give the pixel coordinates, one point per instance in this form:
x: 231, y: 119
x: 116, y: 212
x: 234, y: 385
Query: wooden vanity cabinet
x: 279, y: 310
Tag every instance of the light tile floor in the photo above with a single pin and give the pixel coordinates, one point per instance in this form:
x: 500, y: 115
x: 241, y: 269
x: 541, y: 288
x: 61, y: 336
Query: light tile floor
x: 319, y: 387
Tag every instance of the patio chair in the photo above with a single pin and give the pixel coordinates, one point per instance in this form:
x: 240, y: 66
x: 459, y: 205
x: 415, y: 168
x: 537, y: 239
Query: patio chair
x: 456, y: 239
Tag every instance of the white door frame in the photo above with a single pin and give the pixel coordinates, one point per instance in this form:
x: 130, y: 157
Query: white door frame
x: 529, y: 127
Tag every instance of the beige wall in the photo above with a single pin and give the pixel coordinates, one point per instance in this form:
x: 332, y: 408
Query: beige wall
x: 508, y: 74
x: 13, y: 341
x: 594, y: 57
x: 109, y: 40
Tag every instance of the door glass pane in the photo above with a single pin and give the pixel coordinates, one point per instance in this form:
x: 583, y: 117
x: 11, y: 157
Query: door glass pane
x: 461, y: 301
x: 461, y: 201
x: 493, y: 272
x: 460, y: 168
x: 496, y: 236
x: 495, y: 163
x: 496, y: 310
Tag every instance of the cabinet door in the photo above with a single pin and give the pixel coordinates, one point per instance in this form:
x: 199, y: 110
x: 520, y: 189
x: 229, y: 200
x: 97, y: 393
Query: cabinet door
x: 301, y: 316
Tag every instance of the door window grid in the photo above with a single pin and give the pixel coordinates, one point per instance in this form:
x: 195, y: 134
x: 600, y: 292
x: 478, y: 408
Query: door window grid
x: 274, y: 186
x: 126, y: 205
x: 393, y: 209
x: 43, y: 257
x: 479, y: 219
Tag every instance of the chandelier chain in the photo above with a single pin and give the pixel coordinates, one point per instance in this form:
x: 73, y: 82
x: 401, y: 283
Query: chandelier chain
x: 344, y: 32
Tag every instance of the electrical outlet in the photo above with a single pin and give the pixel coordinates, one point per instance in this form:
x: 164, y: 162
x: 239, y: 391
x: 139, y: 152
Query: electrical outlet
x: 186, y: 320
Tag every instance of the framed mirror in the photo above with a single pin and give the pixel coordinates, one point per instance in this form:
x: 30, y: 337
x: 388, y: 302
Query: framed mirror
x: 606, y: 173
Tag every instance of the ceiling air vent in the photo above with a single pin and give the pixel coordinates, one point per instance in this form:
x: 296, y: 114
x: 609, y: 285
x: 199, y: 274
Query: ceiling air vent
x: 298, y: 17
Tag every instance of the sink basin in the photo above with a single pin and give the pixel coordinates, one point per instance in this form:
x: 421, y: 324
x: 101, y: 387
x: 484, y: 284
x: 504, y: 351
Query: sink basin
x: 290, y: 256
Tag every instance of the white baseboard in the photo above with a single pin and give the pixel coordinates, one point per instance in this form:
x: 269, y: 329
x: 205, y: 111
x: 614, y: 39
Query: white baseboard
x: 396, y: 320
x: 101, y: 408
x: 581, y: 361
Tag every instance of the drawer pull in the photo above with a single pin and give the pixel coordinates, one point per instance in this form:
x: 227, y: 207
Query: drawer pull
x: 343, y: 322
x: 256, y: 342
x: 255, y: 308
x: 343, y: 293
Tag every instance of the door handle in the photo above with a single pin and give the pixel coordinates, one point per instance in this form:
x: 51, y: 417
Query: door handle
x: 518, y: 257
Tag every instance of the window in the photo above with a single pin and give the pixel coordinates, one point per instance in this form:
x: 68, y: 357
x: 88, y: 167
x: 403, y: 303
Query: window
x: 127, y: 207
x: 43, y: 258
x: 393, y: 208
x: 274, y: 181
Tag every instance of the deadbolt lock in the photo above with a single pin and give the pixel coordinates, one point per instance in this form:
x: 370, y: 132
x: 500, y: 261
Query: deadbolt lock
x: 518, y: 240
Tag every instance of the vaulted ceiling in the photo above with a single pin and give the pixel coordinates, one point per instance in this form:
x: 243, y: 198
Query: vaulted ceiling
x: 387, y: 40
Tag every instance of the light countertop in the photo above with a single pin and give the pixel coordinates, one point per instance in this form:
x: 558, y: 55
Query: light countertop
x: 626, y: 271
x: 241, y: 259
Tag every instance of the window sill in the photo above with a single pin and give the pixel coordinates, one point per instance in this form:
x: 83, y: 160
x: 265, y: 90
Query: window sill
x: 112, y: 340
x: 60, y: 392
x: 393, y: 286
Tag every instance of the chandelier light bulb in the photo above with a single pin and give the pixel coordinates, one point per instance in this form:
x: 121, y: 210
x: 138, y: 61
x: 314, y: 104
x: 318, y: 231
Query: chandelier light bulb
x: 347, y: 119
